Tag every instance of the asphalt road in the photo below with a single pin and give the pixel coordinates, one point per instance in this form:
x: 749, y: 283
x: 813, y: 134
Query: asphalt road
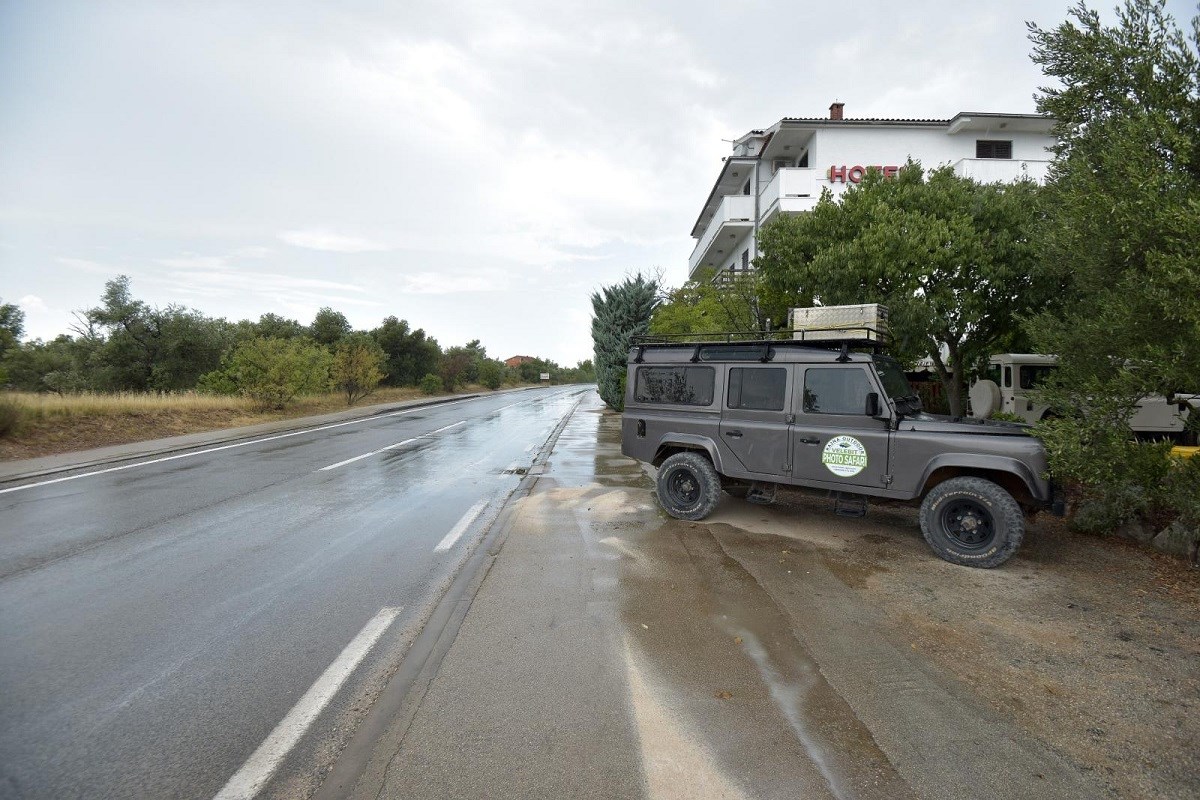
x: 159, y: 623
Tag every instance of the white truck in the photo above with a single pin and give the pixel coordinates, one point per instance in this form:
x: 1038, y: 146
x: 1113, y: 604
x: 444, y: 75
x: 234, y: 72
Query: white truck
x: 1013, y: 379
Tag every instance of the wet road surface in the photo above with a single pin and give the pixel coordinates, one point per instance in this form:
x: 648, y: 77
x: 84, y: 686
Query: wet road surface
x: 615, y: 652
x: 157, y: 623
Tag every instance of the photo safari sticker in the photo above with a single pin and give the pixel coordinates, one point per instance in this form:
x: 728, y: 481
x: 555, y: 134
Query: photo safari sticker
x: 845, y: 456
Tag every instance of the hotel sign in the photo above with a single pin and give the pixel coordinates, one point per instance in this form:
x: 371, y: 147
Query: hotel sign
x: 855, y: 174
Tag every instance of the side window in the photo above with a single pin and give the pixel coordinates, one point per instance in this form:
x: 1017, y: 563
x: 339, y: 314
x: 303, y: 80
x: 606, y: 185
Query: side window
x: 836, y: 390
x: 1008, y: 377
x: 759, y: 389
x: 1034, y: 377
x: 689, y: 386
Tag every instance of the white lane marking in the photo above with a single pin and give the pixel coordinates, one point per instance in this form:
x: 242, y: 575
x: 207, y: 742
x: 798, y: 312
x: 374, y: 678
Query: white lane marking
x: 389, y: 447
x: 460, y: 527
x: 258, y: 769
x: 227, y: 447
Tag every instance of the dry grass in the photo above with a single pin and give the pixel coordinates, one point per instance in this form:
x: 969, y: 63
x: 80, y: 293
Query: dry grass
x: 48, y: 424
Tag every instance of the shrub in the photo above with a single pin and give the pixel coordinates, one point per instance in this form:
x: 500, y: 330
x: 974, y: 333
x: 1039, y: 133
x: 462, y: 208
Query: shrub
x: 10, y: 417
x: 357, y: 366
x: 431, y: 384
x: 272, y: 372
x: 491, y: 374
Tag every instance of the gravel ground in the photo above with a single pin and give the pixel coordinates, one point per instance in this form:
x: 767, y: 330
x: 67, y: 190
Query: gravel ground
x: 1091, y: 644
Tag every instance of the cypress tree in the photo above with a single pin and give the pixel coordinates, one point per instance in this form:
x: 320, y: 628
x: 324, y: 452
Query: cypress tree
x: 621, y: 312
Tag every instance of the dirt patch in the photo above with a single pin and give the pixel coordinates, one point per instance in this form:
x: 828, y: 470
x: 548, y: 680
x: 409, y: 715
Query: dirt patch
x: 1091, y: 644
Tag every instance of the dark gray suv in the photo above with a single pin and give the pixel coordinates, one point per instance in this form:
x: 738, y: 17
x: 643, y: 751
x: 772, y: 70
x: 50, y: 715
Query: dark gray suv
x: 747, y: 417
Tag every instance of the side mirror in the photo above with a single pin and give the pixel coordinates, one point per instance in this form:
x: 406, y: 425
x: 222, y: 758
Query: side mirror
x: 872, y: 404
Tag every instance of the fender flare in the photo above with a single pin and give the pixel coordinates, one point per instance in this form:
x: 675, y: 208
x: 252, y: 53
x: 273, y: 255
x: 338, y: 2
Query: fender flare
x: 1038, y: 488
x: 691, y: 441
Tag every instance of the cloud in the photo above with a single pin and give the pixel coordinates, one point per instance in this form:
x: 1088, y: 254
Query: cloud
x: 327, y: 241
x: 31, y: 302
x: 451, y: 283
x: 87, y: 265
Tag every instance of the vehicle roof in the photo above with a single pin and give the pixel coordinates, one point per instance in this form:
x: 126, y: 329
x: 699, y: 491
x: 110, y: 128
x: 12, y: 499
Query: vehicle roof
x: 1035, y: 359
x: 783, y: 351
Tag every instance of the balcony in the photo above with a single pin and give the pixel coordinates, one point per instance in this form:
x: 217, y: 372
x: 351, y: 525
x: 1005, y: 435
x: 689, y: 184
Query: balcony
x: 792, y: 190
x: 734, y: 217
x: 1001, y: 170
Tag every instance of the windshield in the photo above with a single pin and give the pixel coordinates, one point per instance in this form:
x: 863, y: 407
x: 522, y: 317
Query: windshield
x: 894, y: 381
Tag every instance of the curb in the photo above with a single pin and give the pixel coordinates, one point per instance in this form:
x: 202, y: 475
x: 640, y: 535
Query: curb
x: 228, y: 435
x: 356, y: 771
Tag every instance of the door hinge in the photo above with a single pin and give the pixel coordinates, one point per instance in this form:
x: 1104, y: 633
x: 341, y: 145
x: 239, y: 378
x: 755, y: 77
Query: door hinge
x: 887, y: 480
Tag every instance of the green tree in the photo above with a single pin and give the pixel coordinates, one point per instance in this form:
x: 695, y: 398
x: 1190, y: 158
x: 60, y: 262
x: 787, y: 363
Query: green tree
x: 1122, y: 223
x: 491, y: 373
x: 740, y: 304
x: 161, y: 349
x: 954, y: 261
x: 620, y: 312
x: 12, y: 326
x: 410, y: 354
x: 357, y: 366
x: 454, y: 367
x: 273, y: 326
x: 273, y: 372
x: 329, y: 327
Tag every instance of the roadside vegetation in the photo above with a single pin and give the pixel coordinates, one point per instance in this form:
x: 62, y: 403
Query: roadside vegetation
x: 129, y: 371
x: 1099, y: 265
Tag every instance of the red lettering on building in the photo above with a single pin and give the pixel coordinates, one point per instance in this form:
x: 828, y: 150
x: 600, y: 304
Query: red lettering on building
x: 855, y: 174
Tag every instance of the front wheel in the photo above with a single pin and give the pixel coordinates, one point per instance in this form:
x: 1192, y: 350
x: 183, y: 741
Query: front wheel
x: 972, y: 521
x: 688, y: 486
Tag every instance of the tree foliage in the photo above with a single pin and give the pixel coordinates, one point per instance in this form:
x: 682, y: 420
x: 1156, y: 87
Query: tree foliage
x: 741, y: 304
x: 953, y: 260
x: 357, y: 366
x: 329, y: 327
x: 12, y: 326
x: 620, y: 312
x: 1122, y: 223
x: 410, y: 354
x: 272, y: 372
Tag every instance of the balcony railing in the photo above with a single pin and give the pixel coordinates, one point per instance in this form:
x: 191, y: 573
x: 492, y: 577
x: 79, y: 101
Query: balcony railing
x: 791, y: 186
x: 734, y: 208
x: 1001, y: 170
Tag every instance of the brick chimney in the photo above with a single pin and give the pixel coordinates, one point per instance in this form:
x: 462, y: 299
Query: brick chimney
x: 835, y: 110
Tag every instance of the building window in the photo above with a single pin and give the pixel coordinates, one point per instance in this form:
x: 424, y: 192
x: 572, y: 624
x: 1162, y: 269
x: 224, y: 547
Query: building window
x: 803, y: 162
x: 689, y: 386
x: 745, y: 261
x: 985, y: 148
x: 746, y: 188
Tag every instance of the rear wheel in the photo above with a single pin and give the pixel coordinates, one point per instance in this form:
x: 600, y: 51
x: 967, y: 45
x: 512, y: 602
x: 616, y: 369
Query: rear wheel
x: 688, y: 486
x: 972, y: 521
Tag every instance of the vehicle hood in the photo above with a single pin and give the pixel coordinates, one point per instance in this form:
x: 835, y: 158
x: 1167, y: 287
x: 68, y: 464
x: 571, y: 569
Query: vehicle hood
x: 936, y: 423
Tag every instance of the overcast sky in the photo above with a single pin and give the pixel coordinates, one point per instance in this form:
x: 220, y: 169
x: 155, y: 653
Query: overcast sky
x: 475, y: 168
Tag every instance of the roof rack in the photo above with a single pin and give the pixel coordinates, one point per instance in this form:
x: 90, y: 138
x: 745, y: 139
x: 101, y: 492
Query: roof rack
x: 839, y: 338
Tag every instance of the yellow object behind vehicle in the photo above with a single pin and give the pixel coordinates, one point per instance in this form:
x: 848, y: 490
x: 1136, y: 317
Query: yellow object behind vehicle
x: 1185, y: 452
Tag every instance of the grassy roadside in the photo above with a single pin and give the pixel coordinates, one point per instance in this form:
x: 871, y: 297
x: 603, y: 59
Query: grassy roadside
x: 50, y: 424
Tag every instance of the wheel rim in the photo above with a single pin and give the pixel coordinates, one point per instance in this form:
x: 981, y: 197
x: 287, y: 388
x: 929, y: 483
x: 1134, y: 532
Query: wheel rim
x: 968, y: 523
x: 683, y: 487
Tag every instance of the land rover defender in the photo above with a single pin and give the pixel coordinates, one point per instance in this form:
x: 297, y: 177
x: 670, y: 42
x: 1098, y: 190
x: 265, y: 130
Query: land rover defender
x: 747, y: 417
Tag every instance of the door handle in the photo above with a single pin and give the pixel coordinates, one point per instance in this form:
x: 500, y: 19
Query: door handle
x: 734, y: 434
x: 810, y: 440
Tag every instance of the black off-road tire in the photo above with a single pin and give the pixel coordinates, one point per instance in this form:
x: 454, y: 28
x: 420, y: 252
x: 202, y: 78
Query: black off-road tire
x: 688, y: 486
x: 972, y: 521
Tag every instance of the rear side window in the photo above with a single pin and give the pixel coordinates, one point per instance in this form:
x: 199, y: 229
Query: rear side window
x: 836, y: 391
x: 688, y: 386
x: 757, y: 389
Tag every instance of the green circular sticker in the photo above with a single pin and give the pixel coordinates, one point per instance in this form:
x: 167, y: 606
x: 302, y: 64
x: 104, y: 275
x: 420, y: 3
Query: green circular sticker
x: 845, y: 456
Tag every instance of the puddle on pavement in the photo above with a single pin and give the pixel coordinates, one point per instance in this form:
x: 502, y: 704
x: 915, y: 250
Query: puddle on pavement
x: 717, y: 676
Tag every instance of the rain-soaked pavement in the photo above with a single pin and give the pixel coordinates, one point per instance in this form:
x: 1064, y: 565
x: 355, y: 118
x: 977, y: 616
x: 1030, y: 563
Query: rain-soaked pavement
x: 158, y: 622
x: 615, y: 652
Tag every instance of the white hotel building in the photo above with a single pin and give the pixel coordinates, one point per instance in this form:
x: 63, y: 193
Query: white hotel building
x: 782, y: 170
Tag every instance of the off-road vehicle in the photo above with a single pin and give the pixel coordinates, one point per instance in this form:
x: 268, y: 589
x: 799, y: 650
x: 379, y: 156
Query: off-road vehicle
x: 749, y: 416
